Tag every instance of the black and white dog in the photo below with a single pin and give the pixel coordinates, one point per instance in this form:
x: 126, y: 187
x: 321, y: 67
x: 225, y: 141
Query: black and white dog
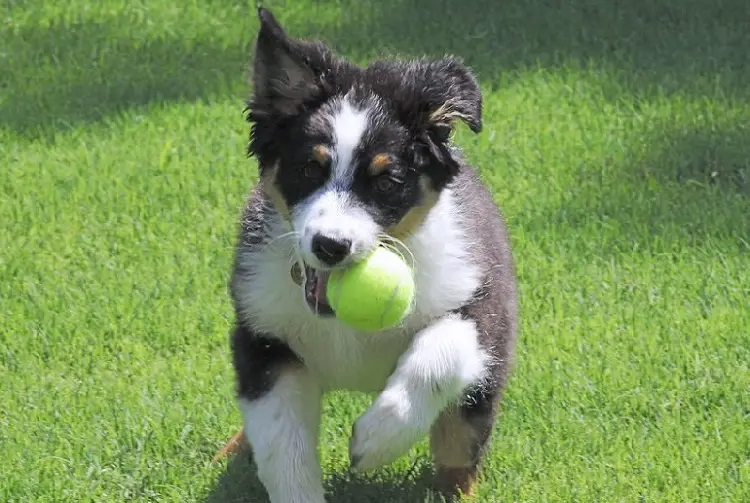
x: 351, y: 157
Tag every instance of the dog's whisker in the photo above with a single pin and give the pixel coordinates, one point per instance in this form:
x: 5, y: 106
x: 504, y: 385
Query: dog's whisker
x: 285, y: 235
x: 397, y: 246
x: 398, y: 251
x: 282, y: 239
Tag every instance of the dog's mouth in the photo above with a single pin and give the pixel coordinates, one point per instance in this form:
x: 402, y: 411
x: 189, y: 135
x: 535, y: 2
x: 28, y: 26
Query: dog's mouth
x: 314, y: 283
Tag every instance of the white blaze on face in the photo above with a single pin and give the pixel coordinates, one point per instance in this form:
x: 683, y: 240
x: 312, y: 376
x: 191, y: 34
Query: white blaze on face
x: 348, y: 126
x: 332, y: 211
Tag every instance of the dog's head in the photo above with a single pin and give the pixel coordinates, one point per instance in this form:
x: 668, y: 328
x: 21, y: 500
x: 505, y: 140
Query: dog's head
x: 349, y: 154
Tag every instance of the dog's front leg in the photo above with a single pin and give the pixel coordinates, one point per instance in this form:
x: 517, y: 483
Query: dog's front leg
x: 442, y: 361
x: 282, y: 429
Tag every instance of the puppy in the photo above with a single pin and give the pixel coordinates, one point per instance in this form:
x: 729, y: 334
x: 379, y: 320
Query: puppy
x: 349, y: 158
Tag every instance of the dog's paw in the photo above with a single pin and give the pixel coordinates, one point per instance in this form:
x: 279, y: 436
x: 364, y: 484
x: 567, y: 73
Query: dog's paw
x: 388, y: 429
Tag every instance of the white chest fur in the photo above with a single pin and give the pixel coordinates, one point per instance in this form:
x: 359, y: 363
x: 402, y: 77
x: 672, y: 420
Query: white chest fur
x: 445, y: 275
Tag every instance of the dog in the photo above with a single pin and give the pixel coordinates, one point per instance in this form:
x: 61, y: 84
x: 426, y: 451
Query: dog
x: 351, y: 158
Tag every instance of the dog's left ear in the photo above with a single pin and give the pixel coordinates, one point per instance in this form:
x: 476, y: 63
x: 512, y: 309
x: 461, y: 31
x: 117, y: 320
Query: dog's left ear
x: 448, y: 92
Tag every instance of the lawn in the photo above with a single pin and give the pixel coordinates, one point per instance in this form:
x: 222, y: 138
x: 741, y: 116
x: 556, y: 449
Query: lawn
x: 616, y: 139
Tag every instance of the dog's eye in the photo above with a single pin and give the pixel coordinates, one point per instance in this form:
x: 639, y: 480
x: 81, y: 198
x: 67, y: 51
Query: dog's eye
x: 386, y: 184
x: 314, y: 170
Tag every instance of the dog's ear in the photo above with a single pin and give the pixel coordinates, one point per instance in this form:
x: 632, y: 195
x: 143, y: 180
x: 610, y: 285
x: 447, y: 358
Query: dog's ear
x: 447, y: 91
x: 433, y: 96
x: 283, y: 76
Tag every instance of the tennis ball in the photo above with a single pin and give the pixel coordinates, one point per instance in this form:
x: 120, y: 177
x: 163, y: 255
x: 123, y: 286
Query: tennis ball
x: 373, y: 294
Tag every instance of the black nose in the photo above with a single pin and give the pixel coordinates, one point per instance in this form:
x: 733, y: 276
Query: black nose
x: 330, y: 251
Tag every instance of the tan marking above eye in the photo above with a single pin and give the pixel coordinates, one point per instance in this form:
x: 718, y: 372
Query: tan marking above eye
x: 321, y: 154
x: 379, y: 164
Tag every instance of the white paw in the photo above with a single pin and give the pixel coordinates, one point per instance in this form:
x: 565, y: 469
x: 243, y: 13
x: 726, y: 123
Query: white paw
x: 388, y: 429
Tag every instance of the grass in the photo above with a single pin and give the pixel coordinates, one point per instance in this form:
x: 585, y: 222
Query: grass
x: 617, y: 139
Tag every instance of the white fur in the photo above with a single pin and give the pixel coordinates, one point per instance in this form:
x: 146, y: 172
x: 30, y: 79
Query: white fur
x: 330, y: 212
x: 429, y: 352
x: 445, y: 279
x: 443, y: 359
x: 282, y: 428
x: 349, y: 125
x: 445, y: 274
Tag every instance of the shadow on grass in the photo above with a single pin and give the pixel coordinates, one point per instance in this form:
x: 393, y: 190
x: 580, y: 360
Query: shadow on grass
x: 87, y: 71
x: 664, y: 42
x: 102, y: 68
x: 239, y: 484
x: 67, y: 74
x: 680, y: 188
x: 710, y: 156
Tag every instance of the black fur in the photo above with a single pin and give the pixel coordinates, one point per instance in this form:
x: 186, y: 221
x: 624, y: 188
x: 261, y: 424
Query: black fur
x: 293, y: 79
x: 258, y: 359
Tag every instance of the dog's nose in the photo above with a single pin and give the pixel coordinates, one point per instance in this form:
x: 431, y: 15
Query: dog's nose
x: 330, y: 251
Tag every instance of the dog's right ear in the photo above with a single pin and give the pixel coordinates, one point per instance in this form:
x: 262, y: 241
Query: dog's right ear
x: 283, y: 78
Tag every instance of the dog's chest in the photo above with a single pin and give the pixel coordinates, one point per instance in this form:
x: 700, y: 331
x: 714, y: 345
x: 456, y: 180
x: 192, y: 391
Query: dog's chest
x: 344, y: 359
x: 337, y: 356
x: 446, y: 277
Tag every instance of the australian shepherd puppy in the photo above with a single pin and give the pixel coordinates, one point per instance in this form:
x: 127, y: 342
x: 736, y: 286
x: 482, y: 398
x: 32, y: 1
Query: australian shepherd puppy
x: 351, y: 158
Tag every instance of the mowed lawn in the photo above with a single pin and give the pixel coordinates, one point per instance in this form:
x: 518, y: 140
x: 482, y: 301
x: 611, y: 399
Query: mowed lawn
x: 616, y: 139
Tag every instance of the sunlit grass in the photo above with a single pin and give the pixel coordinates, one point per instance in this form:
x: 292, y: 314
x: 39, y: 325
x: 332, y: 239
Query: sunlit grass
x: 616, y: 140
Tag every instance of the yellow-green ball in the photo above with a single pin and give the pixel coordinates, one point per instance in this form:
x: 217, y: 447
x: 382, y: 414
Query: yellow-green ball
x: 373, y: 294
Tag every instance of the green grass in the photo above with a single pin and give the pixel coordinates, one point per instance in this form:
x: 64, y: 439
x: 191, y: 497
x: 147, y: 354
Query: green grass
x: 617, y: 139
